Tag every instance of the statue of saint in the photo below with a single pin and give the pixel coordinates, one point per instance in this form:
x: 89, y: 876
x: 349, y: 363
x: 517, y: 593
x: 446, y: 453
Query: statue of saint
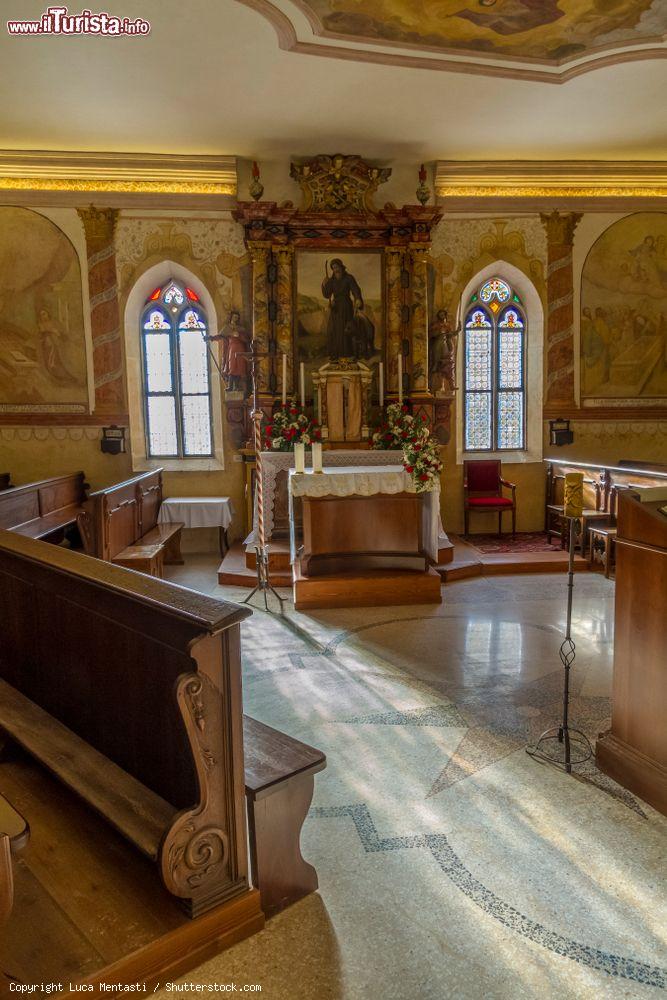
x: 345, y: 304
x: 235, y: 343
x: 442, y: 340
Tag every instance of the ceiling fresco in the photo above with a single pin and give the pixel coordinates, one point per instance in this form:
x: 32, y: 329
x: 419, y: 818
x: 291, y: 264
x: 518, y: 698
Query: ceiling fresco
x: 546, y: 30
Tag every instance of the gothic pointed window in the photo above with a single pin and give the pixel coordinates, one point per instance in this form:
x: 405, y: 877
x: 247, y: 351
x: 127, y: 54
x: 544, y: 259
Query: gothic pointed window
x: 176, y: 374
x: 494, y: 412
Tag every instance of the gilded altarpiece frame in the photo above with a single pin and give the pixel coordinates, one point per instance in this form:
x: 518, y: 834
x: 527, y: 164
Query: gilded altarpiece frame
x: 338, y: 218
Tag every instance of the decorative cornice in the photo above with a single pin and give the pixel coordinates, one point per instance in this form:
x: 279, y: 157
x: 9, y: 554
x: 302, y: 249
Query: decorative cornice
x: 551, y: 179
x: 141, y: 173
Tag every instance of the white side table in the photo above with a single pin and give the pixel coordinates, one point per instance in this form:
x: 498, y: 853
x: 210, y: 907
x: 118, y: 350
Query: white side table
x: 200, y: 512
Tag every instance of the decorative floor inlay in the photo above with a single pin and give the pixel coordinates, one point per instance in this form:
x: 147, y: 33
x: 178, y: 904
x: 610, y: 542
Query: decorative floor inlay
x: 453, y: 868
x: 469, y: 869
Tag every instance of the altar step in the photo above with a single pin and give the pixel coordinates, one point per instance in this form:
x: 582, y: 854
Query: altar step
x: 237, y: 569
x: 370, y: 589
x: 468, y: 561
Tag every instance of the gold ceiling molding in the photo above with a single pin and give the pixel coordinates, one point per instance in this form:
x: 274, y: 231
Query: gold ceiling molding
x: 141, y: 173
x: 588, y: 179
x: 387, y: 51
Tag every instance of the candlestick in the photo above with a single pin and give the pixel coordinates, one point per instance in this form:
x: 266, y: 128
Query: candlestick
x: 574, y: 494
x: 302, y: 385
x: 400, y: 378
x: 299, y: 457
x: 317, y: 456
x: 381, y: 384
x: 284, y: 380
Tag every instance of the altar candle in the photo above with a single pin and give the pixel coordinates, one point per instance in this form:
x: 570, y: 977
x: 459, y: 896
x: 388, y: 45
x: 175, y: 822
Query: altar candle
x: 284, y: 380
x: 317, y: 456
x: 299, y: 457
x: 381, y: 384
x: 319, y: 403
x: 400, y: 378
x: 302, y: 385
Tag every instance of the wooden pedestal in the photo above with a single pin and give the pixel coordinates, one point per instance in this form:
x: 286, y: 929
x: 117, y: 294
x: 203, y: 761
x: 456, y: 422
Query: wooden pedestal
x: 374, y: 588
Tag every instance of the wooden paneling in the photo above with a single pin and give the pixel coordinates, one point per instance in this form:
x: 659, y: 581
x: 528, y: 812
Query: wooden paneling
x: 635, y: 751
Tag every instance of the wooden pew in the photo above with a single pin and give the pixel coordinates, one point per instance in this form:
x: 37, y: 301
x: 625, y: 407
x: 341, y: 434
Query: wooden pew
x: 128, y: 690
x: 601, y: 485
x: 119, y: 524
x: 279, y: 788
x: 43, y: 509
x: 14, y: 834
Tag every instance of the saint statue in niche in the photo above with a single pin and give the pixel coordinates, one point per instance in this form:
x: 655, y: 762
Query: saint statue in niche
x: 350, y: 333
x: 442, y: 339
x: 235, y: 343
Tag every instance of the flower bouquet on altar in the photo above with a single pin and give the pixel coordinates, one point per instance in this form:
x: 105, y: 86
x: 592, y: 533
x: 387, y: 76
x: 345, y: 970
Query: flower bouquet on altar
x: 289, y: 426
x: 421, y: 453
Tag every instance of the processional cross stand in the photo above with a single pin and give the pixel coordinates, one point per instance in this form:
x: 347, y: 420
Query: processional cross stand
x: 263, y: 585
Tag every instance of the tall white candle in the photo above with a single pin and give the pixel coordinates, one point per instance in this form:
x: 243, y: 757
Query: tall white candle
x: 400, y: 378
x: 302, y: 385
x: 319, y: 403
x: 317, y: 456
x: 284, y: 379
x: 381, y: 384
x: 299, y: 457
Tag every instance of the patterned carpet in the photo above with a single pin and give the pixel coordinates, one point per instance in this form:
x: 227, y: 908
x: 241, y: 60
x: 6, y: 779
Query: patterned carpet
x: 451, y: 864
x: 523, y: 542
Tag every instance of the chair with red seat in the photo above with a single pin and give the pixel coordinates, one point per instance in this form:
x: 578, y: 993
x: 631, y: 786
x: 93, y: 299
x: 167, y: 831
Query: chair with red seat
x: 483, y: 491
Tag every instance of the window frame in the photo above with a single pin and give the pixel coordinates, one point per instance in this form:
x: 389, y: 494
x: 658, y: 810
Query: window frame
x: 174, y: 320
x: 476, y: 303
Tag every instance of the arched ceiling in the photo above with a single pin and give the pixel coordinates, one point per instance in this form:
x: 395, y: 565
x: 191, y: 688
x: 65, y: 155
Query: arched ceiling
x: 212, y: 77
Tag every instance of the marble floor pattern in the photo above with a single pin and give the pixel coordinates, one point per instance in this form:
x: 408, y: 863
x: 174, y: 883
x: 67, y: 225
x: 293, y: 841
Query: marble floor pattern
x: 451, y: 864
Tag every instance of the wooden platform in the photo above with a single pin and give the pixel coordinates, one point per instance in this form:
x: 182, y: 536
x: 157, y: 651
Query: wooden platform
x: 237, y: 569
x: 374, y: 588
x: 469, y: 561
x: 90, y: 908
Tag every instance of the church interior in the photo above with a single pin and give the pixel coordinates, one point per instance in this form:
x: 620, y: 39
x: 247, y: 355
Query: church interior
x: 333, y: 499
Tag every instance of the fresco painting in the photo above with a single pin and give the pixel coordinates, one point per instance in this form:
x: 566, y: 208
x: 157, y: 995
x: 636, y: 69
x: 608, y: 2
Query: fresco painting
x: 42, y: 341
x: 623, y: 319
x: 547, y: 30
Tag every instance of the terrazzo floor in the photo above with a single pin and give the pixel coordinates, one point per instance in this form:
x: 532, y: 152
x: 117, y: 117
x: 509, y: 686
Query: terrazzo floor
x: 451, y: 864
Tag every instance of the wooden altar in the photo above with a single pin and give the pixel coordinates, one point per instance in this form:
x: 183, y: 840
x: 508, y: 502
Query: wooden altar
x: 337, y: 214
x: 362, y: 537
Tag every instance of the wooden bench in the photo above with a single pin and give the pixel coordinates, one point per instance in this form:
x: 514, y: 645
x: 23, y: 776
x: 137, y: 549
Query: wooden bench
x: 279, y: 786
x: 14, y: 835
x: 44, y: 509
x: 119, y: 524
x: 129, y: 691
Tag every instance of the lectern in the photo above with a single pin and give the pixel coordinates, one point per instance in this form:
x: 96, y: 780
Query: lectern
x: 634, y: 751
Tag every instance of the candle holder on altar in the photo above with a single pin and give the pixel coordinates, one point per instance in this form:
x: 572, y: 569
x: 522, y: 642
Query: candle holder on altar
x: 562, y: 745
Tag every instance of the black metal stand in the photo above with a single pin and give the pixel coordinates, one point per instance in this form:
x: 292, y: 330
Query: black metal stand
x: 561, y: 745
x: 263, y: 585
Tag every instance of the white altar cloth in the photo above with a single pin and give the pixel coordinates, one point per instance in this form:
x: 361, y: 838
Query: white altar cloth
x: 366, y: 481
x: 274, y: 462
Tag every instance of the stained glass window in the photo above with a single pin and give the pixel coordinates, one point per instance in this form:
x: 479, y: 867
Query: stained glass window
x: 177, y: 382
x: 494, y: 357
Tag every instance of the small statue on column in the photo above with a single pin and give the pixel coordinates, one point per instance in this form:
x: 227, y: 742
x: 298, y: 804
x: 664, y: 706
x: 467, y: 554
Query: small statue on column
x: 443, y: 339
x: 233, y: 361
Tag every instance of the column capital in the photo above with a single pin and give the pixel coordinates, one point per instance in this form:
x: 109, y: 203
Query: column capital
x: 560, y: 228
x: 99, y: 223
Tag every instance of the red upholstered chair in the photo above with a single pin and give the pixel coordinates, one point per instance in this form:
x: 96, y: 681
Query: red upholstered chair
x: 483, y: 491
